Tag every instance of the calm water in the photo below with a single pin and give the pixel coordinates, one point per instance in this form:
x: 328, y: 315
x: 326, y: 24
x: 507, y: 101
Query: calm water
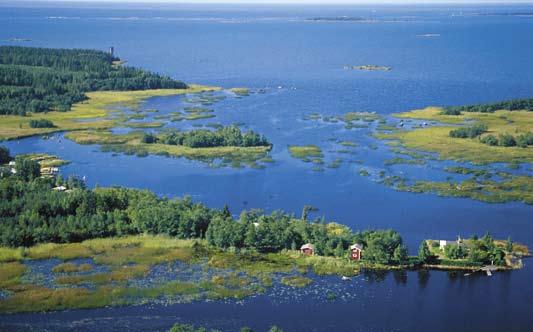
x: 299, y: 64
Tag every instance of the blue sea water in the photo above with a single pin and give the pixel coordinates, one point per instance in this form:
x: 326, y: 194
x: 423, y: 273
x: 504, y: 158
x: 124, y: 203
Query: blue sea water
x: 477, y: 54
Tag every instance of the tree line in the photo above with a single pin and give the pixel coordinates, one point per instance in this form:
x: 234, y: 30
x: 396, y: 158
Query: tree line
x: 32, y: 212
x: 509, y: 105
x: 44, y: 79
x: 201, y: 138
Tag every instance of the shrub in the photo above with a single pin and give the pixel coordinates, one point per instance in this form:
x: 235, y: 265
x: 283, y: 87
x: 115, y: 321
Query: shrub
x: 41, y: 123
x: 469, y: 132
x: 490, y: 140
x: 451, y: 111
x: 507, y: 140
x: 524, y: 140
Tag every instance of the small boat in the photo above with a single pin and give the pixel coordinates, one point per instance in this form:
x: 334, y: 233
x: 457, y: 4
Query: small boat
x: 346, y: 278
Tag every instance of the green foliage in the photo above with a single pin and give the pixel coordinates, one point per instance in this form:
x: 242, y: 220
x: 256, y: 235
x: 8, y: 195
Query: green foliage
x: 489, y: 140
x: 469, y: 132
x: 506, y: 140
x: 41, y: 123
x: 43, y: 79
x: 26, y: 168
x: 31, y: 212
x: 451, y: 111
x: 400, y: 254
x: 455, y: 251
x: 424, y: 254
x: 382, y: 246
x: 296, y: 281
x: 510, y: 105
x: 5, y: 157
x: 201, y: 138
x: 524, y: 140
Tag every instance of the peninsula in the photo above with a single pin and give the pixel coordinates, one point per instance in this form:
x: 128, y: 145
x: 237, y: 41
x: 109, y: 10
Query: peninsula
x: 99, y: 247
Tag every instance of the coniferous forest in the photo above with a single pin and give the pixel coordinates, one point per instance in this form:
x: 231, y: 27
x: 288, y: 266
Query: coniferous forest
x: 44, y: 79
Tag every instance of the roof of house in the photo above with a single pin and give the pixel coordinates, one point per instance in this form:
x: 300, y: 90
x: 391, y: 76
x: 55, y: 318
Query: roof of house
x: 307, y: 246
x: 356, y: 246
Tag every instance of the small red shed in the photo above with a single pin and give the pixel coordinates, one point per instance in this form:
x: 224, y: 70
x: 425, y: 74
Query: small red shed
x: 308, y: 249
x: 356, y: 251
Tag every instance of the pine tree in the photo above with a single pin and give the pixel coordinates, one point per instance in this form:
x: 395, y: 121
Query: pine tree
x: 423, y: 252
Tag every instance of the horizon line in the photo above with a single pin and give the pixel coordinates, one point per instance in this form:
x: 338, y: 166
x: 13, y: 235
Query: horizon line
x: 282, y: 2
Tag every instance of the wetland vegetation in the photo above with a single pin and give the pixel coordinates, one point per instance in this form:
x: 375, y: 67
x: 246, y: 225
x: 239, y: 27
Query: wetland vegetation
x: 102, y: 246
x: 438, y: 139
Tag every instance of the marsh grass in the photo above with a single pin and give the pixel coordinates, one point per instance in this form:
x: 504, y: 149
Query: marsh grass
x: 437, y: 138
x: 307, y: 153
x: 118, y: 274
x: 516, y: 188
x: 296, y: 281
x: 10, y: 273
x: 11, y: 254
x: 71, y: 268
x: 94, y: 112
x: 404, y: 161
x: 61, y: 251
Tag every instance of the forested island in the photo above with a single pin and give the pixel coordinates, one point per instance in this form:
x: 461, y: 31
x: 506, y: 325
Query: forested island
x: 103, y: 242
x: 44, y: 79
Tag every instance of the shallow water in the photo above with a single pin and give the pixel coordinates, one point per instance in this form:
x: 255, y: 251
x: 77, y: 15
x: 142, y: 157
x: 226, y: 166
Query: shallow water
x: 300, y: 66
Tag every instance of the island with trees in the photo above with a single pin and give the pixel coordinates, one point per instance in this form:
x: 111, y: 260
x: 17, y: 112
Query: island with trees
x: 101, y: 244
x: 487, y: 134
x: 228, y: 144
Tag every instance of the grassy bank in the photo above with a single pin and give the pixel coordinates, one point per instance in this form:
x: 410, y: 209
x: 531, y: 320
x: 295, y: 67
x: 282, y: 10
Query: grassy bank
x: 131, y: 143
x: 437, y: 138
x: 90, y: 114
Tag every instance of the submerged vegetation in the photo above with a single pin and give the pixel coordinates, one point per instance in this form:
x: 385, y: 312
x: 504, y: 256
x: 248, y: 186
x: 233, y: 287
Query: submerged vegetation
x: 307, y: 153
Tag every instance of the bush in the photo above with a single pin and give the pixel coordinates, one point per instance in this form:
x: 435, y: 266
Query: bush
x: 41, y: 123
x: 507, y: 140
x: 524, y: 140
x: 490, y: 140
x: 469, y: 132
x: 451, y: 111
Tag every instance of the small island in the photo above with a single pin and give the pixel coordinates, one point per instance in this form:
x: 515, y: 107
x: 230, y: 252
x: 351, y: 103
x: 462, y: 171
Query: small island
x: 368, y: 68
